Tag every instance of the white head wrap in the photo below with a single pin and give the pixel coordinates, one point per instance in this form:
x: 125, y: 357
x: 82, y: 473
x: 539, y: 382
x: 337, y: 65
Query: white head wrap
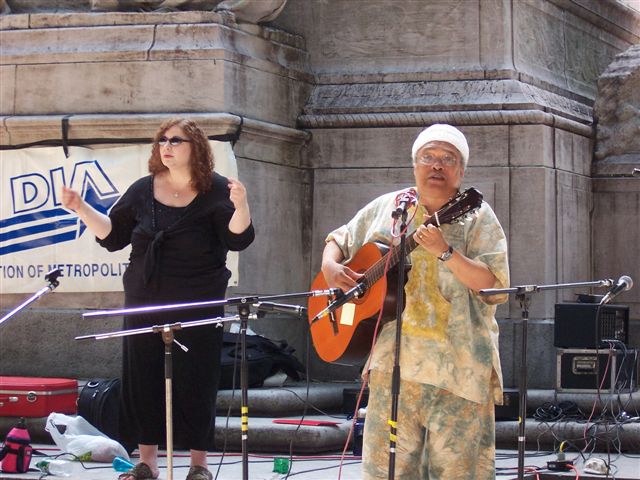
x: 441, y: 132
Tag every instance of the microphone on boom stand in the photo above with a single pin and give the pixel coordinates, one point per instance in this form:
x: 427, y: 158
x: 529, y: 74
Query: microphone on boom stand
x: 355, y: 292
x: 330, y: 292
x: 623, y: 284
x: 281, y: 308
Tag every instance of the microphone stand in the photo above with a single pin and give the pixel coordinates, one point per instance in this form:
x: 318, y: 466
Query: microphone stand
x: 243, y: 311
x: 52, y: 278
x: 395, y: 376
x: 207, y: 303
x: 523, y: 295
x: 167, y: 331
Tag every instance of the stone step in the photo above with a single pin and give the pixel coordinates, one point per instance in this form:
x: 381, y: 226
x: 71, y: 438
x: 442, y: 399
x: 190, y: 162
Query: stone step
x: 287, y: 400
x: 284, y: 401
x: 267, y: 404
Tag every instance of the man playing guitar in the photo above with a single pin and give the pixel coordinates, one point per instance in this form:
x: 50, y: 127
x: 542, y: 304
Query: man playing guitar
x: 449, y: 363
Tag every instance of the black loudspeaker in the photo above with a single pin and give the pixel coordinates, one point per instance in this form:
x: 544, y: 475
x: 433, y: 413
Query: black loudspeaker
x: 576, y: 325
x: 510, y: 408
x: 350, y: 398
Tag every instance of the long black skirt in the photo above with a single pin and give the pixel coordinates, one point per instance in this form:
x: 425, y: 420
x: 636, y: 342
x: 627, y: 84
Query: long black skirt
x: 195, y: 376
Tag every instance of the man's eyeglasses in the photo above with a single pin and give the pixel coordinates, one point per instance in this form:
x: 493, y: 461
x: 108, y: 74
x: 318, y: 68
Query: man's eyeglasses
x: 173, y: 141
x: 430, y: 159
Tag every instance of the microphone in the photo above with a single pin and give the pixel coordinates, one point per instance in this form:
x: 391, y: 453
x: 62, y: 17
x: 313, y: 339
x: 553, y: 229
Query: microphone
x: 281, y: 308
x: 330, y: 292
x: 404, y: 200
x: 356, y: 291
x: 624, y: 283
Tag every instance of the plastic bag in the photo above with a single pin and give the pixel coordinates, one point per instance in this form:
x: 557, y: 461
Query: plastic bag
x: 77, y: 436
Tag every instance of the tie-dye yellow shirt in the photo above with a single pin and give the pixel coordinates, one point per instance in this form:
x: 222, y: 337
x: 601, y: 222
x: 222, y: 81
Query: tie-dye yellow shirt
x: 449, y: 332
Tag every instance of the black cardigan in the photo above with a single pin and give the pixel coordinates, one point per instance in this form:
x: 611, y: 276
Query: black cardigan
x: 186, y: 260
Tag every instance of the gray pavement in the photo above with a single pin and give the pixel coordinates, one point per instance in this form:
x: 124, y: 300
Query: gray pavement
x: 325, y: 467
x: 316, y: 450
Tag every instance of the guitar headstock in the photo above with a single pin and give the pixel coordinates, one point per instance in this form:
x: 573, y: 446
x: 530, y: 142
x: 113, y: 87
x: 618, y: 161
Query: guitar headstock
x: 458, y: 207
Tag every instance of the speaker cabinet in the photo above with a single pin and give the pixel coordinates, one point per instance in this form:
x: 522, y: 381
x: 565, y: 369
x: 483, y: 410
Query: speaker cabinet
x: 510, y: 408
x: 576, y: 325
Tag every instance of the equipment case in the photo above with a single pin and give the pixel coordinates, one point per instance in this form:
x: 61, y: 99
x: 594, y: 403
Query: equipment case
x: 37, y: 396
x: 576, y: 370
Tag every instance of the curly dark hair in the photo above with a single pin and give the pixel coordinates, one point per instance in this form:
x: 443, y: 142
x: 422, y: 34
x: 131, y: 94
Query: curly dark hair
x: 202, y: 161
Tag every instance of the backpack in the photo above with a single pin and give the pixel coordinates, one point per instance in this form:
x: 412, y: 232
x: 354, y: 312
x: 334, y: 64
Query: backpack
x: 16, y: 451
x: 264, y: 358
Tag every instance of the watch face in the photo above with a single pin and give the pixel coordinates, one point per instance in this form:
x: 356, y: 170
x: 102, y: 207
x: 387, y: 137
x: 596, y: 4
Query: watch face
x: 446, y: 255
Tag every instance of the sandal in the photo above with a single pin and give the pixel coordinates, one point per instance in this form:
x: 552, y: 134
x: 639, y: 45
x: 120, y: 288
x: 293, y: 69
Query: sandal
x: 199, y: 473
x: 141, y: 471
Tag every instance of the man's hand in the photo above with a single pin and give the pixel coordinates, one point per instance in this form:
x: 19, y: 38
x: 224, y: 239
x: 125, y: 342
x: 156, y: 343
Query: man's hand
x: 431, y: 239
x: 335, y: 273
x: 340, y: 276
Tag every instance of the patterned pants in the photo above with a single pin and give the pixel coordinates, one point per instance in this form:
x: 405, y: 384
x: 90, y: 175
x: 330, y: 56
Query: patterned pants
x: 439, y: 437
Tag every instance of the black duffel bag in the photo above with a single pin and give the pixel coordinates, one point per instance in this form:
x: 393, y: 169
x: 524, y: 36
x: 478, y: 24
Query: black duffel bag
x: 99, y: 404
x: 264, y: 358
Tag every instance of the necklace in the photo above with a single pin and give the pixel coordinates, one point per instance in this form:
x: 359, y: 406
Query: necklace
x: 176, y: 194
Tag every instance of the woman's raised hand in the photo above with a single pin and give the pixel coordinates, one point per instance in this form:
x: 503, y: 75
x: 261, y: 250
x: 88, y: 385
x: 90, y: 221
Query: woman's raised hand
x: 71, y: 199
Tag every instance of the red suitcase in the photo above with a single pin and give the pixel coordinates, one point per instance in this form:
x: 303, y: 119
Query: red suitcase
x: 37, y: 396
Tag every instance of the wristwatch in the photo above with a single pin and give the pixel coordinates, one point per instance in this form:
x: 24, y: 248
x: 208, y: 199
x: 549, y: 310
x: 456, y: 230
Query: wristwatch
x: 446, y: 255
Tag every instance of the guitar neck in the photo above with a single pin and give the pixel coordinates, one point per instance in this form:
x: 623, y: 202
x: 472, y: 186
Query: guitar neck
x: 460, y: 206
x: 377, y: 270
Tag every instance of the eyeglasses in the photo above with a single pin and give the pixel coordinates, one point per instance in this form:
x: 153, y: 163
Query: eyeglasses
x: 430, y: 159
x: 173, y: 141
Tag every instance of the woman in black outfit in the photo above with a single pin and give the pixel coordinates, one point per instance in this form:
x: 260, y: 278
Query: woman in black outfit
x: 181, y: 221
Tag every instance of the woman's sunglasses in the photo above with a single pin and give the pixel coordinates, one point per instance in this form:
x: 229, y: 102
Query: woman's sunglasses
x: 173, y: 141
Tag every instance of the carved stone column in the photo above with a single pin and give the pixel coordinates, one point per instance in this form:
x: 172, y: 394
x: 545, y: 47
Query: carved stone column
x: 616, y: 217
x: 617, y: 116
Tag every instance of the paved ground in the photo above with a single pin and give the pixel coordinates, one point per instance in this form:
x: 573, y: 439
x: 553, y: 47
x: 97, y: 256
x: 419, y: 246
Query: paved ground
x: 318, y: 449
x: 307, y: 467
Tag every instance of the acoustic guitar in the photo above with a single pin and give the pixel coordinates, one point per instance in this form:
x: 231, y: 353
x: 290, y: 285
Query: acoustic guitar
x: 342, y: 331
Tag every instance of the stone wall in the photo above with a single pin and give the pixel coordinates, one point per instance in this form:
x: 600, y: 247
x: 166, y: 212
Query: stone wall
x: 616, y: 188
x: 118, y: 75
x: 519, y: 79
x: 330, y: 111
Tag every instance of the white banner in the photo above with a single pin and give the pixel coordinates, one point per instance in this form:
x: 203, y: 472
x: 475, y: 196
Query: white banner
x: 37, y: 234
